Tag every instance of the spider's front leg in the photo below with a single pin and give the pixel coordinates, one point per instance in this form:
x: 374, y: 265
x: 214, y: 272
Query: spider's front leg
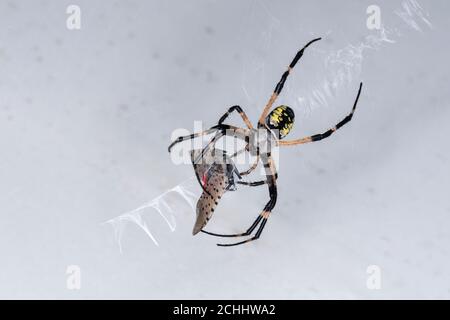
x: 193, y: 136
x: 240, y: 133
x: 255, y: 183
x: 241, y: 113
x: 253, y: 166
x: 280, y: 84
x: 329, y: 132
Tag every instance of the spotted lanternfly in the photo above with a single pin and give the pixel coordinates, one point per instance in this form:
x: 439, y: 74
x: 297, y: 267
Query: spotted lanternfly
x: 216, y: 173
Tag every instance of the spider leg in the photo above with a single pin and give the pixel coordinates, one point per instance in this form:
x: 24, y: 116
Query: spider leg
x: 262, y: 217
x: 255, y: 183
x: 246, y: 233
x: 256, y: 237
x: 326, y: 134
x: 280, y: 84
x: 193, y: 136
x: 238, y: 152
x: 241, y: 113
x: 200, y: 158
x: 253, y: 167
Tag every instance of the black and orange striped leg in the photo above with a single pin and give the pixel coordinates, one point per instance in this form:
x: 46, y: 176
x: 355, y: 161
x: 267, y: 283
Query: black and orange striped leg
x: 253, y: 166
x: 241, y: 113
x: 234, y: 155
x: 262, y: 217
x: 193, y: 136
x: 210, y: 144
x: 347, y: 119
x: 280, y: 84
x: 329, y: 132
x: 297, y: 57
x: 256, y: 237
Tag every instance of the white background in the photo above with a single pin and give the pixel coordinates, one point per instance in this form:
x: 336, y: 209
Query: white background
x: 86, y: 117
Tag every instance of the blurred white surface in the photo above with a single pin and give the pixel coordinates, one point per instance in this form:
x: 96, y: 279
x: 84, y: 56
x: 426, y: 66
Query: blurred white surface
x: 86, y: 118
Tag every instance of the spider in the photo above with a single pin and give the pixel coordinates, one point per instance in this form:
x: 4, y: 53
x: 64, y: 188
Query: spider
x: 272, y: 128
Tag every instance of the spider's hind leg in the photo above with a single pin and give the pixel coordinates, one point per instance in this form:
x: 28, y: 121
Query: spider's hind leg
x: 261, y: 220
x: 241, y: 113
x: 271, y: 175
x: 246, y: 233
x: 264, y: 215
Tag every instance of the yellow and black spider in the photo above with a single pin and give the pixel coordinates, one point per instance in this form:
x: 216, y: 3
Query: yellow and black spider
x: 271, y: 129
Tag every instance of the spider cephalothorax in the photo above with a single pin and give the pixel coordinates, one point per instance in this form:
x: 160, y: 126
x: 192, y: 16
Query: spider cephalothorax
x: 281, y: 120
x: 218, y: 177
